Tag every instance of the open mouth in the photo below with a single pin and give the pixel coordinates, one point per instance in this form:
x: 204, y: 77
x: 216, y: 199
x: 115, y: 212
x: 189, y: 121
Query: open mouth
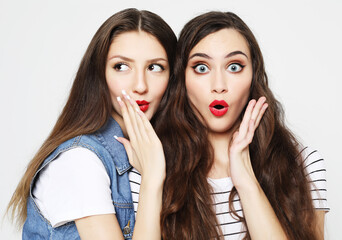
x: 218, y: 107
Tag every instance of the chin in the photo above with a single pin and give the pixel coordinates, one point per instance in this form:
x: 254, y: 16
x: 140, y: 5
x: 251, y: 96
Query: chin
x: 219, y: 126
x: 149, y: 115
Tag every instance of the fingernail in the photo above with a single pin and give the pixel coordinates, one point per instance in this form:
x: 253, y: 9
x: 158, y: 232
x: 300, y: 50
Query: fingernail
x: 115, y: 137
x: 139, y: 111
x: 119, y: 100
x: 127, y: 96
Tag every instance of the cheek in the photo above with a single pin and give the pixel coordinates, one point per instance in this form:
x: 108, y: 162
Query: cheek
x: 241, y: 95
x: 159, y: 86
x: 191, y: 91
x: 192, y: 87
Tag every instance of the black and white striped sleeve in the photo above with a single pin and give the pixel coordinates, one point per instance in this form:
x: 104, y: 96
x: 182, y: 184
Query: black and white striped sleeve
x: 316, y: 173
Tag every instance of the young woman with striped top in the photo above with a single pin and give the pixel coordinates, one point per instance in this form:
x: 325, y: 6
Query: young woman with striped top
x: 234, y: 171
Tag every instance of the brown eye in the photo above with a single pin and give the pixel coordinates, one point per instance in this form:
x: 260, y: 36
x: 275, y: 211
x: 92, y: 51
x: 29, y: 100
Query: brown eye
x: 155, y: 68
x: 120, y: 67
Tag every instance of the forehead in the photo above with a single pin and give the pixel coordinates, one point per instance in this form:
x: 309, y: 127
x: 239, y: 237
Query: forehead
x: 221, y: 43
x: 135, y: 43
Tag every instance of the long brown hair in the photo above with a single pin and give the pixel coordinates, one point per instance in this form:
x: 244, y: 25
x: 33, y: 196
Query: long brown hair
x: 89, y: 104
x: 187, y: 211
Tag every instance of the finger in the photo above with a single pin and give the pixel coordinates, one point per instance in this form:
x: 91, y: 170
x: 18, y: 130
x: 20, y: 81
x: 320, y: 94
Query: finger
x: 132, y: 116
x: 127, y: 120
x: 250, y: 133
x: 148, y: 126
x: 143, y: 131
x: 257, y: 107
x: 245, y: 121
x: 261, y: 114
x: 128, y: 148
x: 138, y: 117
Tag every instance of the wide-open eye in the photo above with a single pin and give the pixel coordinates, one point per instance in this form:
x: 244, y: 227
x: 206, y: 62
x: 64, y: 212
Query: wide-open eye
x: 235, y: 67
x: 156, y: 68
x: 121, y: 67
x: 201, y: 68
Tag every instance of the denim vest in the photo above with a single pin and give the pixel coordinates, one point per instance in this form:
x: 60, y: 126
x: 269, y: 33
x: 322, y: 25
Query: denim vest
x: 114, y: 158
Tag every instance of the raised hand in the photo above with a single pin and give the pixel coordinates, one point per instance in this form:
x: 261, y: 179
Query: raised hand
x: 144, y: 149
x: 239, y: 159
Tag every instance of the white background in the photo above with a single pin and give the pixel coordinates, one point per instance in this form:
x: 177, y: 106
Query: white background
x: 42, y: 43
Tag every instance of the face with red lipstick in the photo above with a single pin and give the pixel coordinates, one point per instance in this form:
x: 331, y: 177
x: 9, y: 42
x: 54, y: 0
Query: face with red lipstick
x: 218, y: 77
x: 138, y: 64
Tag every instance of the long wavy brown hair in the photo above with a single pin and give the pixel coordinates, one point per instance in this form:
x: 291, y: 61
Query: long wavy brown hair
x: 187, y: 211
x: 89, y: 104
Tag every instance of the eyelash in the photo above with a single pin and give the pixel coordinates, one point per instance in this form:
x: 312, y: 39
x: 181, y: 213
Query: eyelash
x: 198, y: 64
x: 159, y: 65
x: 116, y: 66
x: 239, y: 64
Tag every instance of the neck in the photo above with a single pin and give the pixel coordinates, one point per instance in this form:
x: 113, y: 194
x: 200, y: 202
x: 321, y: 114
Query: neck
x: 220, y: 143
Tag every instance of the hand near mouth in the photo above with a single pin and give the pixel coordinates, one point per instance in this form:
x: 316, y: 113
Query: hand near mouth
x: 144, y: 149
x: 143, y: 105
x: 239, y: 159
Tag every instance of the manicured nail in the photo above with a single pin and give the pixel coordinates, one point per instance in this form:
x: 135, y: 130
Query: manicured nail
x: 120, y: 101
x: 115, y: 137
x: 123, y: 92
x: 125, y: 95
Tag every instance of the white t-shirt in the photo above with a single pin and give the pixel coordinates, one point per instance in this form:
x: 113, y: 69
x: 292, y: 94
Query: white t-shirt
x: 76, y: 185
x: 73, y: 186
x: 89, y: 186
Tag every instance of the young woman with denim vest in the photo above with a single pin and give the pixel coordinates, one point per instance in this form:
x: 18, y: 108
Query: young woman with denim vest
x: 234, y: 171
x: 78, y: 184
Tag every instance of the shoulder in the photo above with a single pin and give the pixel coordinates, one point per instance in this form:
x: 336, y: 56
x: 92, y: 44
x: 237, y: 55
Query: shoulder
x: 315, y: 171
x: 72, y: 186
x: 77, y: 164
x: 78, y: 156
x: 313, y: 161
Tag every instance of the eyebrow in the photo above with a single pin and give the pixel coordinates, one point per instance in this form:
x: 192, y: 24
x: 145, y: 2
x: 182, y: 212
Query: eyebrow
x: 200, y: 55
x: 208, y: 57
x: 236, y: 53
x: 131, y: 60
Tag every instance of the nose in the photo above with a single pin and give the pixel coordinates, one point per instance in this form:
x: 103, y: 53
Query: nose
x: 140, y: 83
x: 219, y: 83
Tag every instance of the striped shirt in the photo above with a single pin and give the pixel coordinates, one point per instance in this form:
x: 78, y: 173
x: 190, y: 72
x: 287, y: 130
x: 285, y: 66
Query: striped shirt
x: 232, y: 228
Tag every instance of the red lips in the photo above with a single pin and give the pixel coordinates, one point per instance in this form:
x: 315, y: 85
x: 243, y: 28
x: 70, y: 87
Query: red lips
x: 218, y: 107
x: 143, y: 105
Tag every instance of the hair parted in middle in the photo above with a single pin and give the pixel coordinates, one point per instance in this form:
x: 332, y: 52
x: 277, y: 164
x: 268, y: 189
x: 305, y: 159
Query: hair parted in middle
x: 275, y: 155
x: 89, y: 106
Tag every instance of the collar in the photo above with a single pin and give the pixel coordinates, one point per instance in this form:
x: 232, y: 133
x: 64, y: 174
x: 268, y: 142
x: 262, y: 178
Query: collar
x: 115, y: 148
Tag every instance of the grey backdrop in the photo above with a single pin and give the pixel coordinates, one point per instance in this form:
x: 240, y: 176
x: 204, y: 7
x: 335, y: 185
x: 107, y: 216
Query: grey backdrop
x: 42, y: 43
